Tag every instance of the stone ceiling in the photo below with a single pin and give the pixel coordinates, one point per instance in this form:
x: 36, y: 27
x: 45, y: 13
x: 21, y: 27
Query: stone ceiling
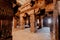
x: 40, y: 4
x: 22, y: 2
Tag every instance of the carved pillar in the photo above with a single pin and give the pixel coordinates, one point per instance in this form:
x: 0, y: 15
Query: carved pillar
x: 36, y: 21
x: 22, y: 22
x: 52, y: 33
x: 39, y: 22
x: 55, y: 25
x: 32, y: 23
x: 14, y: 23
x: 58, y: 9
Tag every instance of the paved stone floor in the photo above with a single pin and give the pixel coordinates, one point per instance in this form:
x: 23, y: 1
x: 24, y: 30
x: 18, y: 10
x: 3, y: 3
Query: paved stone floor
x: 42, y: 34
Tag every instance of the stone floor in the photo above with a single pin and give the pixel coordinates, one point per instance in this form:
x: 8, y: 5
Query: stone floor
x: 42, y: 34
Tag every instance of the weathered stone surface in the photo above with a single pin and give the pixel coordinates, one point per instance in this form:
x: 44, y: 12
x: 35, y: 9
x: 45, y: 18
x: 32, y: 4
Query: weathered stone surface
x: 22, y: 22
x: 6, y: 17
x: 6, y: 11
x: 32, y: 23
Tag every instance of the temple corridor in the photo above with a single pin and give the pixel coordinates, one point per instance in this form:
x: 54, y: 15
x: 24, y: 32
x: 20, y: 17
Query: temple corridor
x: 29, y: 19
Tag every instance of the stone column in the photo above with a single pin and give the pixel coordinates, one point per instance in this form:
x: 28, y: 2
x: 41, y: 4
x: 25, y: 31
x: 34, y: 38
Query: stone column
x: 55, y: 26
x: 55, y: 23
x: 32, y: 23
x: 39, y: 22
x: 22, y: 22
x: 14, y: 23
x: 52, y: 32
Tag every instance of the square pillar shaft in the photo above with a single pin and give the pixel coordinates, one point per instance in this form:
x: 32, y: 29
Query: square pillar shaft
x: 32, y: 23
x: 14, y: 23
x: 22, y: 22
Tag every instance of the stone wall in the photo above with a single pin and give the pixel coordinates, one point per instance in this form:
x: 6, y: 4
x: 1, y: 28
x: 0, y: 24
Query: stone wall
x: 6, y: 17
x: 6, y: 10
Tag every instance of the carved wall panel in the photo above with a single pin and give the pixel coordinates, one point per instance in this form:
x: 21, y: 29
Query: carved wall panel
x: 6, y: 17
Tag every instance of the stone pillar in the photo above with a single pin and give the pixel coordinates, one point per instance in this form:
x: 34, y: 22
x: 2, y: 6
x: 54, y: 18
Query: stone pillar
x: 58, y: 24
x: 55, y: 25
x: 36, y: 21
x: 14, y: 23
x: 22, y: 22
x: 32, y: 23
x: 52, y: 32
x: 39, y: 22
